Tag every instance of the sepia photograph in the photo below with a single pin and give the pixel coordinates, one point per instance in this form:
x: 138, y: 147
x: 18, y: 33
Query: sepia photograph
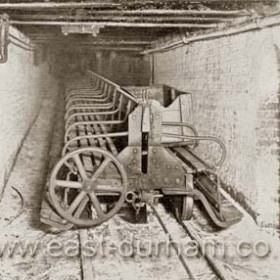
x: 140, y: 140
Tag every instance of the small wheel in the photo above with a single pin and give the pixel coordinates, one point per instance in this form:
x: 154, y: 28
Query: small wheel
x: 183, y: 208
x: 79, y: 186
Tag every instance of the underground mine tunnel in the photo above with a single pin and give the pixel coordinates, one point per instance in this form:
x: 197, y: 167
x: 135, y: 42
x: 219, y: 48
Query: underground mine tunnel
x: 137, y: 120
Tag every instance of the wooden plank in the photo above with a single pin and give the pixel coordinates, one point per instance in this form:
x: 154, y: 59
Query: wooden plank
x: 90, y: 131
x: 86, y: 158
x: 108, y: 139
x: 73, y: 134
x: 101, y: 141
x: 95, y: 130
x: 81, y: 132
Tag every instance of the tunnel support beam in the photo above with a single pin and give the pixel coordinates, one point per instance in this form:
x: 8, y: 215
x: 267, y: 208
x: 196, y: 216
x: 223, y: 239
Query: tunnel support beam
x: 115, y: 24
x: 52, y: 5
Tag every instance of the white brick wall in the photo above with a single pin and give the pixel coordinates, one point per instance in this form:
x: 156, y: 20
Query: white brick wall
x: 234, y: 81
x: 22, y: 87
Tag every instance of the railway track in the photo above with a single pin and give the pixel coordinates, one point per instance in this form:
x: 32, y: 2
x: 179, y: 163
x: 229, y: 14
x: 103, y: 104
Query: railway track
x: 87, y: 271
x: 200, y: 266
x: 192, y: 234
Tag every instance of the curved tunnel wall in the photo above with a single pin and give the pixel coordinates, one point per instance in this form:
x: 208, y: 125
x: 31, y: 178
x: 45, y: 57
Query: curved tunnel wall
x: 22, y: 89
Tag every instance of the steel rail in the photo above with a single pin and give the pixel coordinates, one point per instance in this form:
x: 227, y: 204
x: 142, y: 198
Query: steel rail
x: 81, y: 101
x: 69, y: 90
x: 191, y: 127
x: 117, y: 87
x: 206, y: 138
x: 96, y: 91
x: 112, y: 135
x: 66, y: 136
x: 93, y: 105
x: 208, y: 258
x: 88, y: 108
x: 90, y: 114
x: 85, y: 94
x: 182, y: 260
x: 194, y: 236
x: 85, y: 97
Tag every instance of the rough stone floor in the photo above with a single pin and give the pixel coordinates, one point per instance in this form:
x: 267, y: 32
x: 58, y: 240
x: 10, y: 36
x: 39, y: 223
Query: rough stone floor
x: 20, y: 224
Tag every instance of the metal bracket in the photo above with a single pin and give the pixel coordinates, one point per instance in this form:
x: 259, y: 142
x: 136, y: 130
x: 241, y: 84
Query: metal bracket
x: 4, y: 37
x: 93, y: 29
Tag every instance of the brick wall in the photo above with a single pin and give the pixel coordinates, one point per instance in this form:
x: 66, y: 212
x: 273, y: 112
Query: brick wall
x: 235, y: 85
x: 22, y: 87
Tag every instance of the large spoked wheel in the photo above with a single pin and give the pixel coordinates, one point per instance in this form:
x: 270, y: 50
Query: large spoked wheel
x: 84, y: 182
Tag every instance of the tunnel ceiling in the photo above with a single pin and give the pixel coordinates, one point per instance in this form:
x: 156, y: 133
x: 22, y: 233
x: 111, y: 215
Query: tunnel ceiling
x: 125, y: 25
